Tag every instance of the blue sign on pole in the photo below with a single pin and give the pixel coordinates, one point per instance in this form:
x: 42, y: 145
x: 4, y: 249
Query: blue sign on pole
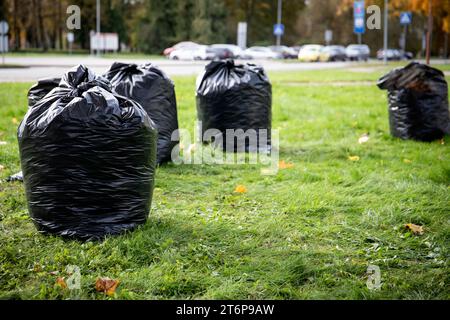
x: 359, y: 14
x: 405, y: 18
x: 278, y: 29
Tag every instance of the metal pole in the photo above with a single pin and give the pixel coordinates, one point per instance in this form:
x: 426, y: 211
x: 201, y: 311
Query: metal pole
x: 430, y: 29
x: 386, y: 26
x: 279, y: 15
x: 405, y: 31
x: 98, y: 27
x: 359, y: 38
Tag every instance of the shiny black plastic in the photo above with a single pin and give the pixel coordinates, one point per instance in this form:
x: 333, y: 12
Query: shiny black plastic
x: 41, y: 89
x: 418, y: 102
x: 88, y: 159
x: 234, y: 96
x: 155, y: 92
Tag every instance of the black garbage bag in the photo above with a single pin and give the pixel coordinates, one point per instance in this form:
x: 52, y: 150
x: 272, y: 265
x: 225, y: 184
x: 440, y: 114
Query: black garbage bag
x: 41, y: 89
x: 235, y: 96
x: 154, y: 91
x: 418, y: 102
x: 88, y: 159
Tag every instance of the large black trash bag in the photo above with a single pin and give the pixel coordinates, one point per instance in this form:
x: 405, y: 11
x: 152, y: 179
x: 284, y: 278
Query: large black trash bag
x: 234, y: 96
x: 154, y: 91
x: 88, y: 159
x: 41, y: 89
x: 37, y: 92
x: 418, y: 102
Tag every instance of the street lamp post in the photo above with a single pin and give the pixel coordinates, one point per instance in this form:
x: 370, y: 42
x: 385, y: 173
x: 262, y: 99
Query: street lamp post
x: 279, y: 15
x: 430, y: 29
x: 386, y: 26
x: 98, y: 27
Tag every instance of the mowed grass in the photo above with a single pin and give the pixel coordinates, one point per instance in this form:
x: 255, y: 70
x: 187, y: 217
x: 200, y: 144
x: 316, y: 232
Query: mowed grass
x: 309, y: 232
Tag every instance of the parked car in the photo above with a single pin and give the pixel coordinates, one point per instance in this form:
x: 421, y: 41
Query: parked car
x: 220, y: 53
x: 285, y: 52
x: 180, y: 45
x: 394, y: 55
x: 333, y: 53
x: 358, y: 52
x: 310, y: 53
x: 198, y: 52
x: 262, y: 53
x: 237, y: 52
x: 296, y: 49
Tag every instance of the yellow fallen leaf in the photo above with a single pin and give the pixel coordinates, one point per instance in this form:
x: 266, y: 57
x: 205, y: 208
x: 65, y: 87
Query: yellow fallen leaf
x: 353, y: 158
x: 2, y: 167
x: 364, y: 138
x: 14, y: 120
x: 285, y: 165
x: 415, y: 229
x: 240, y: 189
x: 106, y: 285
x: 407, y: 161
x: 61, y: 282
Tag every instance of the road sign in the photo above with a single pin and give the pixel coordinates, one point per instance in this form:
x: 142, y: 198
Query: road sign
x: 405, y: 18
x: 278, y: 29
x: 4, y: 27
x: 328, y: 36
x: 70, y: 37
x: 242, y: 35
x: 359, y: 15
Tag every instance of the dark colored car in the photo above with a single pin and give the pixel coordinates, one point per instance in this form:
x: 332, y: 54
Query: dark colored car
x: 285, y: 52
x: 220, y: 53
x: 333, y: 53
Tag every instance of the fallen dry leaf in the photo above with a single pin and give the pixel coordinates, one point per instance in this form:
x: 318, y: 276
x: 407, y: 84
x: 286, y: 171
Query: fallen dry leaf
x: 2, y: 167
x: 60, y: 281
x: 14, y: 121
x: 415, y: 229
x: 407, y: 161
x: 353, y: 158
x: 285, y: 165
x: 442, y: 141
x: 3, y: 143
x: 364, y: 138
x: 106, y: 285
x: 240, y: 189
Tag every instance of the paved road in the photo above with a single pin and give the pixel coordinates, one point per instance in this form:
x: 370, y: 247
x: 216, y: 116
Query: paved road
x: 41, y: 67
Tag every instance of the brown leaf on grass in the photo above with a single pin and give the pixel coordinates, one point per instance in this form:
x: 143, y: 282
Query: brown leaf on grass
x: 240, y: 189
x: 285, y: 165
x: 415, y: 229
x: 61, y: 282
x: 106, y: 285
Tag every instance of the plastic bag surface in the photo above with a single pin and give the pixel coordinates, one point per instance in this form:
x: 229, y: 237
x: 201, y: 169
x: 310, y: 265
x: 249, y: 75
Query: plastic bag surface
x: 88, y: 159
x: 234, y: 96
x: 155, y: 92
x: 418, y: 102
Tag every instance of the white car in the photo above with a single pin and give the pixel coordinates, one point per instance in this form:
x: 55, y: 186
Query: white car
x: 199, y: 52
x: 261, y: 53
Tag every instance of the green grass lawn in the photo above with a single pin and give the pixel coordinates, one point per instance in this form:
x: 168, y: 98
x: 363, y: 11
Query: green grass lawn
x: 309, y: 232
